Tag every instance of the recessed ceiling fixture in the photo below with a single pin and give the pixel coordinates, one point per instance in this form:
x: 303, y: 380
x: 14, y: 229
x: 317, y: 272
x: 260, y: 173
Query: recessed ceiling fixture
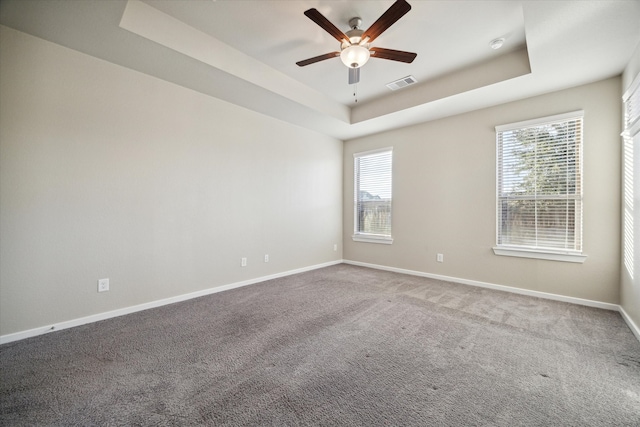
x: 354, y: 45
x: 496, y: 43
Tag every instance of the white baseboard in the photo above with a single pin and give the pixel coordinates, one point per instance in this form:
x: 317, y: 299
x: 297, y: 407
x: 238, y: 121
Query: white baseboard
x: 634, y: 328
x: 580, y: 301
x: 545, y: 295
x: 158, y: 303
x: 153, y: 304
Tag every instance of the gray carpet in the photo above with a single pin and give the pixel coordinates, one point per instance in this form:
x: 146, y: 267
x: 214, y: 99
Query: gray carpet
x: 342, y: 345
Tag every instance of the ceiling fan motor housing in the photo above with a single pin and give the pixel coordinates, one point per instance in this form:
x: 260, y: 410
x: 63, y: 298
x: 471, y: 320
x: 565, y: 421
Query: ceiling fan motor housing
x: 355, y: 36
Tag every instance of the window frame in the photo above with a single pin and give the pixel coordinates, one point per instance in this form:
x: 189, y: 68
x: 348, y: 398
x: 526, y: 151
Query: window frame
x: 361, y: 236
x: 544, y: 253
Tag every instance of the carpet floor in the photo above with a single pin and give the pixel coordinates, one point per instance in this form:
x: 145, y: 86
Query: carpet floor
x: 342, y: 345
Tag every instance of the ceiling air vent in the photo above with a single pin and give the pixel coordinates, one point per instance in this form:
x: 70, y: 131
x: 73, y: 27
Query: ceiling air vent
x: 403, y: 82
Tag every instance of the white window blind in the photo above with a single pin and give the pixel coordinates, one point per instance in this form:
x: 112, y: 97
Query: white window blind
x: 631, y: 100
x: 631, y: 138
x: 373, y: 195
x: 539, y: 184
x: 628, y: 215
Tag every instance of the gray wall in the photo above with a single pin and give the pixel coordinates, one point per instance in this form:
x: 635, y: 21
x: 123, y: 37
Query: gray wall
x: 107, y: 172
x: 444, y: 197
x: 630, y: 286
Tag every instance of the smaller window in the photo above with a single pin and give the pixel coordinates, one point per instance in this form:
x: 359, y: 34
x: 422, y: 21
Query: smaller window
x: 372, y: 196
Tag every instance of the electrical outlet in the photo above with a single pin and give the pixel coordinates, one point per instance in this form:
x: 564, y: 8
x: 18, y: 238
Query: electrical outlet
x: 103, y: 285
x: 243, y: 262
x: 335, y: 247
x: 440, y: 258
x: 266, y: 258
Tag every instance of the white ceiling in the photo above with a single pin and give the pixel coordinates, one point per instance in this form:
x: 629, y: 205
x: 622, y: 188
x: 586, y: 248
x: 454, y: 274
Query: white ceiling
x: 244, y: 52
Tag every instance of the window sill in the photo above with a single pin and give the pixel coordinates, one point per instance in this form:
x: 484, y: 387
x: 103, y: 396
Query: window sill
x: 540, y: 254
x: 373, y: 238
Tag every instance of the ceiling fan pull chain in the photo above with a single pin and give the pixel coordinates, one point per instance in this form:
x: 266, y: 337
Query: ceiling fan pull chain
x: 355, y: 91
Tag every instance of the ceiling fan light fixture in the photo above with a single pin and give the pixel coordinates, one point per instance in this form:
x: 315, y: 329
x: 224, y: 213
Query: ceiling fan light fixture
x: 355, y: 56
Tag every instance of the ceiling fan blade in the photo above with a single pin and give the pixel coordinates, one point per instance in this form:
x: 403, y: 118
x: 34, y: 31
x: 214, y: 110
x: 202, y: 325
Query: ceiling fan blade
x: 317, y: 59
x: 354, y: 75
x: 394, y: 55
x: 395, y: 12
x: 326, y: 25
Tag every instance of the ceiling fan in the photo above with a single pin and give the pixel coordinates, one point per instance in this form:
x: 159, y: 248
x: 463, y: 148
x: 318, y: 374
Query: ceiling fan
x: 355, y: 48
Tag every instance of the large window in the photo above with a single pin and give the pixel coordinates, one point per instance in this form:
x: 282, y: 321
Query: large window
x: 539, y: 183
x: 372, y: 196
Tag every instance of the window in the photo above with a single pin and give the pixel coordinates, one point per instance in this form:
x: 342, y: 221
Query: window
x: 372, y: 196
x: 539, y: 183
x: 630, y: 137
x: 628, y: 229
